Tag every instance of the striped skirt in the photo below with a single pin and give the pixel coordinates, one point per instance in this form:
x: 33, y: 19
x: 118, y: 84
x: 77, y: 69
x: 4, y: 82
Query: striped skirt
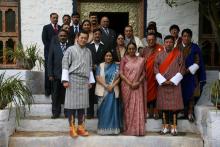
x: 77, y: 94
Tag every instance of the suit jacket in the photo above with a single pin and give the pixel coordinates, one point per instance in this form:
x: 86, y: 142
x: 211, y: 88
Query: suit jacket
x: 72, y: 34
x: 55, y: 39
x: 110, y: 39
x: 47, y: 35
x: 55, y: 60
x: 97, y: 56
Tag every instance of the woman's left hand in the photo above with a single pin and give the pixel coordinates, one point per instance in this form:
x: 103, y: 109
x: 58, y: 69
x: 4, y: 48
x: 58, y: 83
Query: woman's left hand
x: 135, y: 85
x: 109, y: 88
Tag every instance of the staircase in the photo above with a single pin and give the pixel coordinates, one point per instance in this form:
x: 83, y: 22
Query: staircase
x: 38, y: 130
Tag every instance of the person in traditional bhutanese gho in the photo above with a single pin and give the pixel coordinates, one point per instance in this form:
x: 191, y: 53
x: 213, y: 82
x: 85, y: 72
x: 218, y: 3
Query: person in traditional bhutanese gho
x: 76, y: 76
x: 169, y: 71
x: 107, y: 90
x: 195, y: 76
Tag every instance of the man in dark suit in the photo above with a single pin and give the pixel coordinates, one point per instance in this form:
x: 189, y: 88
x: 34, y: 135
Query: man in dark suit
x: 66, y: 19
x: 97, y: 49
x: 49, y: 31
x: 57, y: 49
x: 75, y: 28
x: 108, y: 35
x: 65, y: 27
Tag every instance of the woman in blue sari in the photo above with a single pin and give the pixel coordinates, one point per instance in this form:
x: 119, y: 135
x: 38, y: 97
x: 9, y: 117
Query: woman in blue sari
x: 107, y: 90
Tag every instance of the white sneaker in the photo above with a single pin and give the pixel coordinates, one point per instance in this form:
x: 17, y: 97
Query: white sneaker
x: 164, y: 131
x: 174, y: 131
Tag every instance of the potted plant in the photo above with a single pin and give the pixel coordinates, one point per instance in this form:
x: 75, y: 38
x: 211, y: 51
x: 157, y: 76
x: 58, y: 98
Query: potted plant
x: 14, y: 94
x: 215, y: 93
x: 26, y: 58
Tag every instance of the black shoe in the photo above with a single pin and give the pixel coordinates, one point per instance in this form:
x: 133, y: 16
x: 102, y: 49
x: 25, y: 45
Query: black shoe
x: 54, y: 116
x: 47, y: 93
x: 89, y: 117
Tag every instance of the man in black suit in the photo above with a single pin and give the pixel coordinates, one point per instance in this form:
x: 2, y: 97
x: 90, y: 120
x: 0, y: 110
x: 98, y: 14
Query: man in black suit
x: 66, y: 19
x: 75, y: 28
x: 97, y: 49
x: 108, y: 35
x: 57, y: 49
x: 49, y: 31
x: 65, y: 27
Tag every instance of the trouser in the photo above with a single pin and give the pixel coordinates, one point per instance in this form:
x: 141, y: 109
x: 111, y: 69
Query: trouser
x: 72, y: 113
x: 151, y: 104
x: 92, y: 101
x: 47, y: 83
x: 189, y: 106
x: 58, y: 96
x: 169, y: 117
x: 152, y: 107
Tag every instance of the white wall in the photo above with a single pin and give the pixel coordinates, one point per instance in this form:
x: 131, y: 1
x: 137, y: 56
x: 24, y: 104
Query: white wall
x: 36, y: 13
x: 185, y: 16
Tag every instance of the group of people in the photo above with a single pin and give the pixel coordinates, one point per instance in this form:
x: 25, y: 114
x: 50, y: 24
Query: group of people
x: 130, y: 79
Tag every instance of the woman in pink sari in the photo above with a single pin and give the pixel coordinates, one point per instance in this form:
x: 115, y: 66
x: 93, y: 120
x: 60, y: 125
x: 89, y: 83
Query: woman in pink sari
x: 132, y: 75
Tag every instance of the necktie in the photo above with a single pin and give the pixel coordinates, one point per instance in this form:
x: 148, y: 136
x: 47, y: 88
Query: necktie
x: 63, y: 47
x: 76, y: 30
x: 55, y: 28
x: 106, y: 31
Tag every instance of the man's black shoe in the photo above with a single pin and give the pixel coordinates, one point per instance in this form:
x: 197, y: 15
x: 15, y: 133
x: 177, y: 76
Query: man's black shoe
x: 54, y: 116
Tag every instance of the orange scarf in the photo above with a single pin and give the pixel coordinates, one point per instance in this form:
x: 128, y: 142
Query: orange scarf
x: 152, y: 85
x: 170, y: 58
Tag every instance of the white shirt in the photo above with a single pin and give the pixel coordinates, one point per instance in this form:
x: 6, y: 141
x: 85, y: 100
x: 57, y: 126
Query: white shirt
x: 97, y: 44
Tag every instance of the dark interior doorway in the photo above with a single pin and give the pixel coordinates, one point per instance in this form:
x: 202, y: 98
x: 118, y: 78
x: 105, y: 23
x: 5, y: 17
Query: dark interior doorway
x: 118, y: 20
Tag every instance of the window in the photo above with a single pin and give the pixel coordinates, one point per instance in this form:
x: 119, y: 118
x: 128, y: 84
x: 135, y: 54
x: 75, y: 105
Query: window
x: 9, y: 31
x: 207, y: 39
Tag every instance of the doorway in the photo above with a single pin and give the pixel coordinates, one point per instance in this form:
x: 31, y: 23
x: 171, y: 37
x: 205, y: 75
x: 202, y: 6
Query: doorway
x: 120, y: 13
x: 118, y: 20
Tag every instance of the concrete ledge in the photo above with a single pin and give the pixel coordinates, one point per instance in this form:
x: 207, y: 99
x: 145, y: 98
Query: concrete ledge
x: 42, y: 99
x: 34, y: 79
x: 61, y: 124
x: 63, y: 140
x: 7, y: 125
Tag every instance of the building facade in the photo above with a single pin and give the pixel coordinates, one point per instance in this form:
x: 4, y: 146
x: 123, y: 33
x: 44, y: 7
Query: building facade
x: 32, y: 15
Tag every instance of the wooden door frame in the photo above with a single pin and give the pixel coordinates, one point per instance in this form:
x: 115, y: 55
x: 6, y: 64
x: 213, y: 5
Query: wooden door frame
x: 141, y: 13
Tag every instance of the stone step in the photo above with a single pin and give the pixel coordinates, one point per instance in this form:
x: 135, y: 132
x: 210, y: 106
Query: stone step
x: 42, y: 99
x: 61, y: 124
x: 62, y: 139
x: 41, y: 110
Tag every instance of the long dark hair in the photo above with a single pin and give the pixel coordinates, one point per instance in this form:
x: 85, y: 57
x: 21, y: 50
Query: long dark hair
x: 130, y: 44
x: 108, y: 51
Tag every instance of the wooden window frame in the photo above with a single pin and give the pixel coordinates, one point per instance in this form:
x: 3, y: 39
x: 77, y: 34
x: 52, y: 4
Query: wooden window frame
x: 5, y: 36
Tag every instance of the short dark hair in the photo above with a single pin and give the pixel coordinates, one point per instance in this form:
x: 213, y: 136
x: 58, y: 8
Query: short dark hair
x: 129, y: 26
x: 169, y: 37
x: 92, y: 14
x: 66, y: 15
x: 75, y: 14
x: 51, y: 14
x: 188, y: 31
x: 152, y: 27
x: 174, y: 26
x: 96, y: 30
x: 151, y: 34
x: 152, y: 23
x: 62, y: 30
x: 82, y: 32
